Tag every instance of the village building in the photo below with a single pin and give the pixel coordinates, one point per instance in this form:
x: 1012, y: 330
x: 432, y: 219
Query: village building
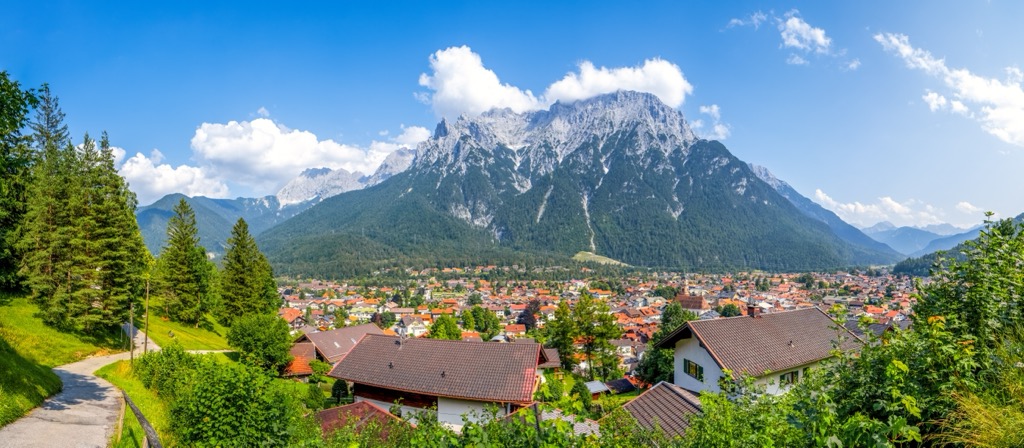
x: 330, y: 346
x: 456, y: 378
x: 776, y: 349
x: 665, y: 406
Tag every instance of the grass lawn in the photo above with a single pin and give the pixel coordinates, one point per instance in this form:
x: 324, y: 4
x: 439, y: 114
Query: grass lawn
x: 29, y: 349
x: 210, y: 335
x: 154, y: 409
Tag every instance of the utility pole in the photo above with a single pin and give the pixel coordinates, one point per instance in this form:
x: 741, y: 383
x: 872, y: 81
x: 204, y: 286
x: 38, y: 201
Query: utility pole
x: 131, y: 334
x: 145, y: 344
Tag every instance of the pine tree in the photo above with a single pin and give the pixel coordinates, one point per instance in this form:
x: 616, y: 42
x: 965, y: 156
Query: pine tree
x: 15, y: 164
x: 247, y: 282
x: 84, y: 256
x: 47, y: 220
x: 122, y: 258
x: 184, y: 270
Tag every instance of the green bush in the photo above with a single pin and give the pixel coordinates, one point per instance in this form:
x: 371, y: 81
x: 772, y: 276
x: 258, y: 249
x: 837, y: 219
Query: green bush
x: 232, y: 405
x: 555, y: 389
x: 262, y: 340
x: 169, y: 371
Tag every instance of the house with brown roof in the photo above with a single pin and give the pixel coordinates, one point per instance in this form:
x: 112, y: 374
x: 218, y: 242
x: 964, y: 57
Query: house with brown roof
x: 357, y: 415
x: 697, y: 304
x: 456, y: 378
x: 665, y: 406
x: 776, y: 349
x: 333, y: 345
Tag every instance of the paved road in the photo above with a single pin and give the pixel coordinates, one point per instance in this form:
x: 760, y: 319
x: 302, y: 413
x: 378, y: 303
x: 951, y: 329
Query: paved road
x: 84, y: 414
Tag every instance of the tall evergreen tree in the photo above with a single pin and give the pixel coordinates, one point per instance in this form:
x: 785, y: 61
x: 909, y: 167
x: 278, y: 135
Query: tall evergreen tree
x: 247, y: 282
x: 184, y: 270
x: 84, y: 255
x: 46, y: 225
x: 15, y: 163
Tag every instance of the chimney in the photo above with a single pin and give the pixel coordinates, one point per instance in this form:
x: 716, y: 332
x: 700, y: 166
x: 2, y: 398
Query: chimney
x: 753, y: 310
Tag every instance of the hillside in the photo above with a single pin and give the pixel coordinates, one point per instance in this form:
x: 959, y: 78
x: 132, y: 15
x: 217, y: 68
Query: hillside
x: 950, y: 247
x: 29, y: 349
x: 847, y: 232
x: 620, y: 175
x: 906, y: 240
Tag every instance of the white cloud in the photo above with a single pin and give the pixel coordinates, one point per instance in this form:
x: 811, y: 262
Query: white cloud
x: 799, y: 38
x: 911, y: 212
x: 412, y: 135
x: 795, y: 59
x: 119, y: 154
x: 934, y: 100
x: 967, y: 207
x: 797, y: 33
x: 712, y: 110
x: 719, y: 130
x: 657, y: 76
x: 258, y: 155
x: 755, y: 20
x: 263, y: 112
x: 151, y: 180
x: 460, y: 84
x: 959, y: 108
x: 1000, y: 103
x: 262, y: 154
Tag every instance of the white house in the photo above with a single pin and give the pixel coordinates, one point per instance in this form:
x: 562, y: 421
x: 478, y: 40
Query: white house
x: 776, y: 349
x: 459, y: 378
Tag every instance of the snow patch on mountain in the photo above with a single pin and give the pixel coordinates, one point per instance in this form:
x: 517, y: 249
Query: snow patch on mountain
x: 544, y: 138
x: 317, y: 184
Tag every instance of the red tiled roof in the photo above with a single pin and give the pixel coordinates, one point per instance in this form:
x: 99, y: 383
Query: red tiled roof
x: 302, y: 353
x: 357, y: 414
x: 771, y: 342
x: 479, y: 371
x: 289, y: 314
x: 667, y: 405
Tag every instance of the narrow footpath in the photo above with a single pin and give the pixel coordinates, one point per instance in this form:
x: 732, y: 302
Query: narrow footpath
x: 83, y: 414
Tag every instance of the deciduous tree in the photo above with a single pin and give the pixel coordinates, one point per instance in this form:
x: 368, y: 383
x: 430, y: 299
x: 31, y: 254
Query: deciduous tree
x: 445, y: 327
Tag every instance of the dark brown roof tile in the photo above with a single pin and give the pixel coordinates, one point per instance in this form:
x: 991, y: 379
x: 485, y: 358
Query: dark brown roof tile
x: 479, y: 371
x: 667, y: 405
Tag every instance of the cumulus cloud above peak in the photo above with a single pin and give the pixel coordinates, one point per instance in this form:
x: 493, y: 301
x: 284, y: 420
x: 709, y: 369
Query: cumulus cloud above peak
x: 461, y: 84
x: 256, y: 156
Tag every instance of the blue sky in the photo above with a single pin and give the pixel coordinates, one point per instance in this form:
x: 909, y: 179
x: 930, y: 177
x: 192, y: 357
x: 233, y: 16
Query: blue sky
x: 911, y: 112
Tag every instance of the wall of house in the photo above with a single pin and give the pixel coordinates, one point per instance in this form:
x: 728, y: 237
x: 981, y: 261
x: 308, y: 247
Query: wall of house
x: 451, y: 410
x: 690, y: 349
x: 771, y: 384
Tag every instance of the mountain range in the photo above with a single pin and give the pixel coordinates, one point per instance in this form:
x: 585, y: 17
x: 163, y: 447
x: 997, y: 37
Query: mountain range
x: 621, y: 175
x: 215, y: 217
x: 917, y: 241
